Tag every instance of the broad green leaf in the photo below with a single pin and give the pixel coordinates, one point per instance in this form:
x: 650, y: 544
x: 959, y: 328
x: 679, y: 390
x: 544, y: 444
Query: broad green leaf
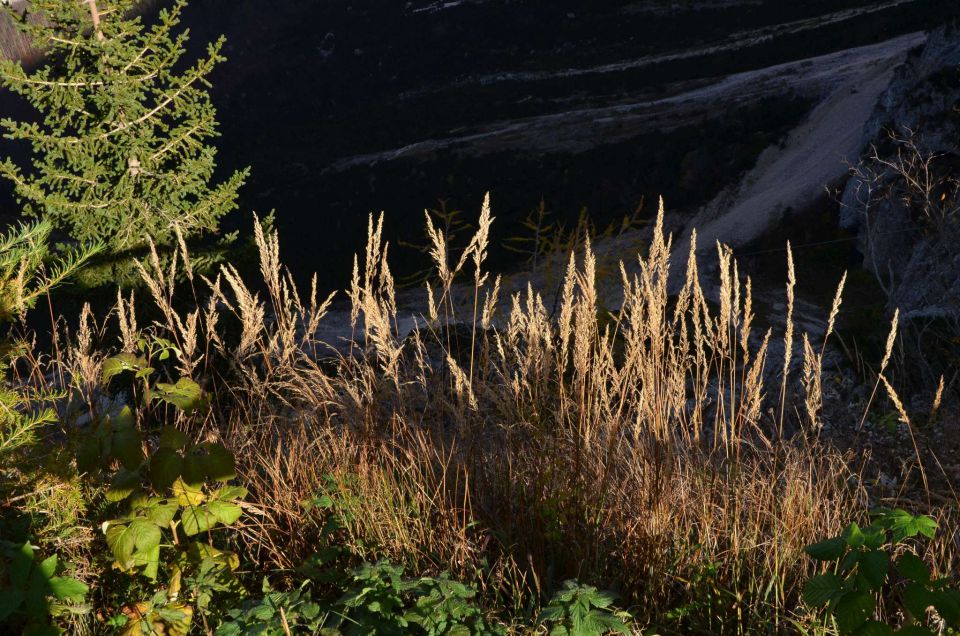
x: 171, y: 437
x: 874, y: 538
x: 208, y: 462
x: 904, y: 525
x: 21, y: 564
x: 854, y: 536
x: 601, y: 599
x: 927, y: 526
x: 947, y: 604
x: 120, y: 363
x: 149, y: 560
x: 821, y: 589
x: 187, y: 494
x: 829, y: 550
x: 123, y: 484
x: 10, y: 600
x: 140, y: 535
x: 48, y: 567
x: 917, y: 599
x: 232, y: 493
x: 874, y: 628
x: 225, y: 513
x: 66, y: 588
x: 853, y: 610
x: 126, y: 443
x: 177, y: 616
x: 849, y: 561
x: 911, y: 566
x: 219, y: 463
x: 162, y: 513
x: 197, y: 519
x: 198, y: 551
x: 165, y: 467
x: 185, y: 394
x: 874, y: 566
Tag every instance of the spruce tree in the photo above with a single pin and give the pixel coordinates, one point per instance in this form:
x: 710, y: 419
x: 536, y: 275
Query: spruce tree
x: 121, y: 147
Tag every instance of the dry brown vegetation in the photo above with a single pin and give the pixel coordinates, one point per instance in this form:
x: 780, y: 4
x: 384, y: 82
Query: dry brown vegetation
x: 640, y: 450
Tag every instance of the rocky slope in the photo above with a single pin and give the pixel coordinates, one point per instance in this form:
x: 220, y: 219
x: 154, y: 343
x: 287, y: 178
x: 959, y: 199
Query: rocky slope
x: 904, y: 201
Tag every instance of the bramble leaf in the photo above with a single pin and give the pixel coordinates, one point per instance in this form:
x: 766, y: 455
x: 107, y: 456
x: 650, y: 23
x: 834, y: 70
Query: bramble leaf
x: 911, y: 566
x: 820, y: 589
x: 185, y: 395
x: 166, y: 465
x: 119, y: 363
x: 828, y: 550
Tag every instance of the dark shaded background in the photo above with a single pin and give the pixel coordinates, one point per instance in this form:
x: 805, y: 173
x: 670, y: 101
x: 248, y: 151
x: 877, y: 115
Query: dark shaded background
x: 309, y: 82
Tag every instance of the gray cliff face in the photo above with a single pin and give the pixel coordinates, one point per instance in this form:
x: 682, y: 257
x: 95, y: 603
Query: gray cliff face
x: 914, y: 254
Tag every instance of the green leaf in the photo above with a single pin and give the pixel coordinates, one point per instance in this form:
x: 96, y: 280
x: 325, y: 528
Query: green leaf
x: 853, y: 610
x: 904, y: 525
x: 140, y: 535
x: 185, y: 395
x: 917, y: 599
x: 854, y: 536
x: 914, y: 630
x: 829, y: 550
x: 874, y: 628
x: 947, y: 604
x: 125, y: 441
x: 187, y: 494
x: 874, y: 566
x: 219, y: 464
x: 232, y: 493
x: 173, y: 438
x: 66, y: 588
x: 874, y: 538
x: 123, y: 485
x: 225, y: 513
x: 48, y: 567
x: 10, y: 600
x: 162, y: 513
x: 21, y: 564
x: 820, y: 589
x: 149, y: 560
x: 197, y: 519
x: 912, y: 567
x: 120, y: 363
x: 165, y: 466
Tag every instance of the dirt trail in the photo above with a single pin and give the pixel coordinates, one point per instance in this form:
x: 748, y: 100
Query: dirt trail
x: 578, y: 130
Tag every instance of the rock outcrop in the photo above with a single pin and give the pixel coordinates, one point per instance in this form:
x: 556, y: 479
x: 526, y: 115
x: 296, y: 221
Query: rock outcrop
x: 903, y: 197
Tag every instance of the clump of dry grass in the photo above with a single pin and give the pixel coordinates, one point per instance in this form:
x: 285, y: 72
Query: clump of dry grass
x: 515, y: 448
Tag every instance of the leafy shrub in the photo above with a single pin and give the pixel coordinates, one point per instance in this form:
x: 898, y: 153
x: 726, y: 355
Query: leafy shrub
x: 276, y: 614
x: 379, y: 600
x: 33, y: 592
x: 583, y: 610
x: 168, y: 501
x: 862, y: 575
x: 376, y: 599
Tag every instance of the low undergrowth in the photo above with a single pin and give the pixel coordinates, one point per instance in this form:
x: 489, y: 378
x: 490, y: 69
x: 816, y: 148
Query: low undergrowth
x: 509, y: 465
